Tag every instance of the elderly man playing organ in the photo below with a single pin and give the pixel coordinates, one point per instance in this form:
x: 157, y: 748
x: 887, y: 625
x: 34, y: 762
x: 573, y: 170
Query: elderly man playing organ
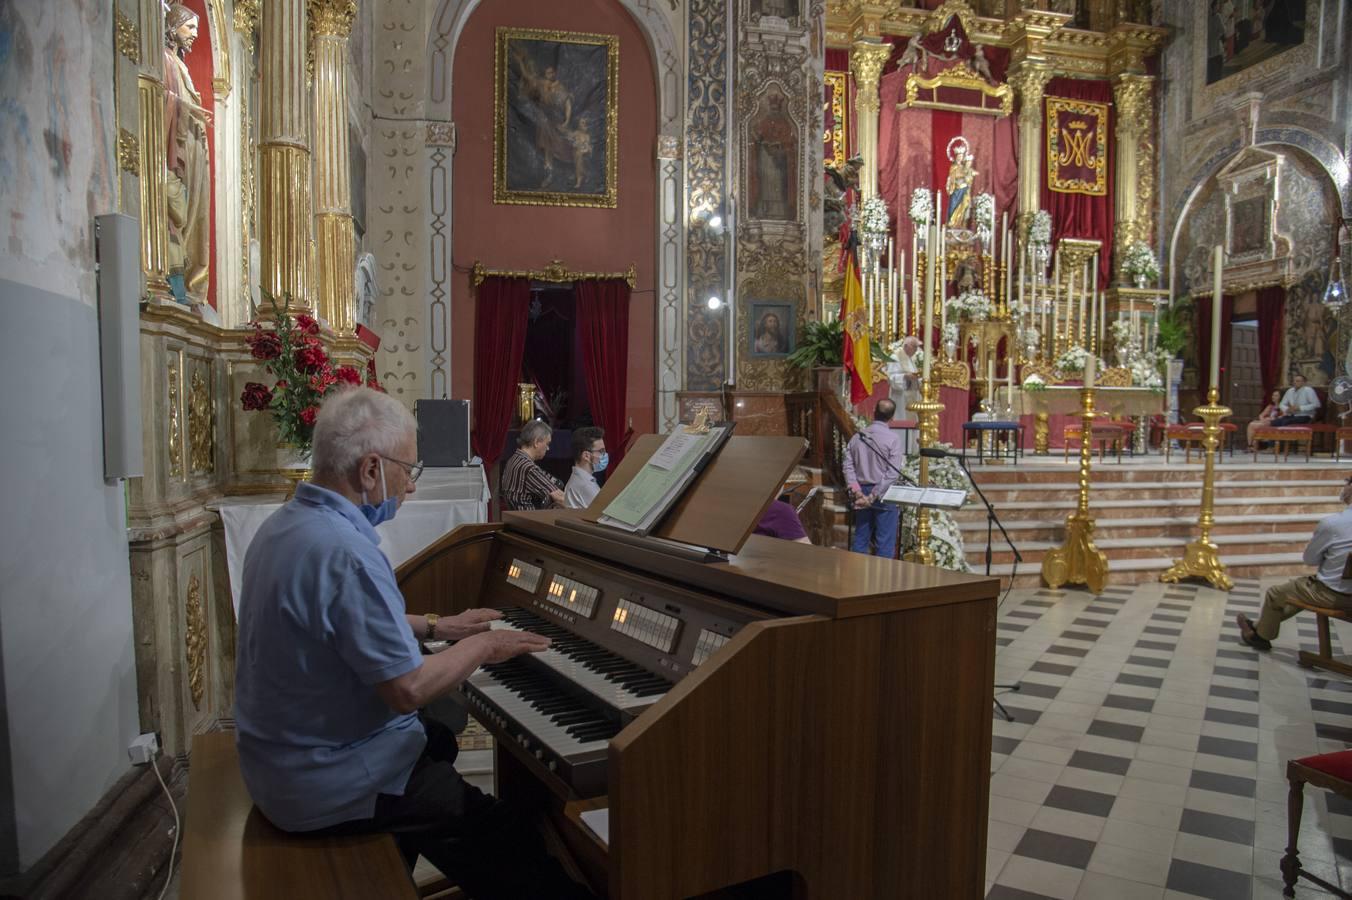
x: 330, y: 675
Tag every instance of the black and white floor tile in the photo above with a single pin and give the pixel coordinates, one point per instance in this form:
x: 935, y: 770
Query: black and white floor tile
x: 1147, y: 754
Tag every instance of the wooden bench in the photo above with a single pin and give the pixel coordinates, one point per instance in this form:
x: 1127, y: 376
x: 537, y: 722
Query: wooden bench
x: 1105, y: 435
x: 1283, y: 437
x: 231, y: 852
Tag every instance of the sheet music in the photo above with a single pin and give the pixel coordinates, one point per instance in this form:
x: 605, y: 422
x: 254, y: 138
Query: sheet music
x: 598, y: 820
x: 660, y: 481
x: 933, y: 497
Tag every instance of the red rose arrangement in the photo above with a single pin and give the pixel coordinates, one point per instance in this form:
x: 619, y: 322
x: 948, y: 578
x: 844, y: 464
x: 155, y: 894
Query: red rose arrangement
x: 294, y: 355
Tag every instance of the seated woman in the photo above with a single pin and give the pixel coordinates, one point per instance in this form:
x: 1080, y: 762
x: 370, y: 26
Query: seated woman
x: 1265, y: 417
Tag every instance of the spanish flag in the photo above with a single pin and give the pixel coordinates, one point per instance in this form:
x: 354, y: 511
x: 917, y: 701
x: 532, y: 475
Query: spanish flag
x: 856, y: 356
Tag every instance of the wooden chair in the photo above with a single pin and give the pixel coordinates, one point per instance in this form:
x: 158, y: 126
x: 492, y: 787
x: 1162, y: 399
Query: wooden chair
x: 1283, y: 438
x: 1187, y: 435
x: 1343, y: 434
x: 231, y: 852
x: 1104, y: 434
x: 1331, y: 771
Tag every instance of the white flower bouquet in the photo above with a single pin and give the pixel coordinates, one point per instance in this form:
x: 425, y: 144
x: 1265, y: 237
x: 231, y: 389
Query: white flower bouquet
x: 1071, y: 363
x: 951, y: 333
x: 1034, y: 383
x: 945, y: 536
x: 985, y: 217
x: 973, y: 306
x: 1040, y: 228
x: 1140, y: 263
x: 922, y: 207
x: 873, y: 218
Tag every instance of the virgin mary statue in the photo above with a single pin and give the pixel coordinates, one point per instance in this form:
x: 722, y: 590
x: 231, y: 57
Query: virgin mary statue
x: 959, y: 185
x: 188, y: 180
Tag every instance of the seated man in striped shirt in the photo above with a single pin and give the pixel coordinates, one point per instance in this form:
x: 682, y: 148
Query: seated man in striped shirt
x: 524, y: 484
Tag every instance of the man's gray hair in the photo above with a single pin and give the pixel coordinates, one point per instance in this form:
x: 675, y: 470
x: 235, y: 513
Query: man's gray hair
x: 355, y: 422
x: 532, y: 431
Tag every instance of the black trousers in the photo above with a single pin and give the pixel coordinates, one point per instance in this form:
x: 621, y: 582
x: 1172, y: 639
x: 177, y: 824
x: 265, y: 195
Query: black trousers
x: 1283, y: 421
x: 487, y: 847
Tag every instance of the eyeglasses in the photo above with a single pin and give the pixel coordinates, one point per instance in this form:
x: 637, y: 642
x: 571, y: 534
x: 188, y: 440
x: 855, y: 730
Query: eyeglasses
x: 415, y: 469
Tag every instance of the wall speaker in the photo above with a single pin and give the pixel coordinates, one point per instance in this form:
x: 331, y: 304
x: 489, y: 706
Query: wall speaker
x: 119, y: 282
x: 443, y: 432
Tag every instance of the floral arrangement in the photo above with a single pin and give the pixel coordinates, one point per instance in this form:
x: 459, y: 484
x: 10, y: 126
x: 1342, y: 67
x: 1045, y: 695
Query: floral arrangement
x: 945, y: 536
x: 1071, y: 363
x: 293, y: 354
x: 1145, y: 372
x: 951, y: 333
x: 985, y: 217
x: 1120, y: 331
x: 1040, y: 228
x: 873, y: 218
x: 1140, y: 263
x: 922, y: 207
x: 1034, y: 383
x: 973, y: 306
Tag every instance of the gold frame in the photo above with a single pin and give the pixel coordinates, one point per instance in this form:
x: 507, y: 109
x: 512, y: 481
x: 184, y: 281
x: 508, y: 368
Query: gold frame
x: 1096, y: 110
x: 840, y: 112
x: 556, y: 272
x: 501, y: 193
x: 965, y: 79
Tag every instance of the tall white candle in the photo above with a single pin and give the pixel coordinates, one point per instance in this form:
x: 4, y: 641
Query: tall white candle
x: 1007, y: 256
x: 1009, y: 377
x: 927, y: 301
x: 990, y: 381
x: 1103, y: 314
x: 1080, y: 323
x: 1216, y: 304
x: 1089, y: 362
x: 901, y: 296
x: 943, y: 278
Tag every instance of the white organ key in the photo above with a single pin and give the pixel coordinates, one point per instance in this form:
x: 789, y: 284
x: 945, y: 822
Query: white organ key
x: 595, y: 683
x: 537, y: 725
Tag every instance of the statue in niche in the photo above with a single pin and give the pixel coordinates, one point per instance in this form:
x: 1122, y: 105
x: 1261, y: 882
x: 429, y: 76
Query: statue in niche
x: 188, y: 162
x: 784, y: 9
x: 365, y: 291
x: 774, y: 164
x: 961, y: 175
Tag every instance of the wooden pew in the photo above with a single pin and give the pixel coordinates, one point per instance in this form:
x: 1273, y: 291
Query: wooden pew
x: 231, y: 852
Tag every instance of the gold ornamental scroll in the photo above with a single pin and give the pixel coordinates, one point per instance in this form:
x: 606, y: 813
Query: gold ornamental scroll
x: 1077, y: 146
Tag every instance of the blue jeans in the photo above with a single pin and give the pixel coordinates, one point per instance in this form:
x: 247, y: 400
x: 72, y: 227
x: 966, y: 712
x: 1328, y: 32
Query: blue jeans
x: 875, y: 525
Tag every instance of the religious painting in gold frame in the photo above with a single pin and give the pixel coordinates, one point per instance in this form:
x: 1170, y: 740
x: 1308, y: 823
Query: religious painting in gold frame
x: 835, y: 115
x: 556, y: 118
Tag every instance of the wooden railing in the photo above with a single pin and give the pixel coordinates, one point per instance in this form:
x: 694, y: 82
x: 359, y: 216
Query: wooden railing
x: 820, y: 417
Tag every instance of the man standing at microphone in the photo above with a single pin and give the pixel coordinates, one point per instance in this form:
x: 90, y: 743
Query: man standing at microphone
x: 872, y: 465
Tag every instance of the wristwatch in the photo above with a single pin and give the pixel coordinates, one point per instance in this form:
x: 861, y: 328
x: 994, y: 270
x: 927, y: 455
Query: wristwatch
x: 432, y: 619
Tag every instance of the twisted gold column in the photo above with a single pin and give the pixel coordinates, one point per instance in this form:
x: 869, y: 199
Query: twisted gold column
x: 1201, y: 558
x: 1078, y: 561
x: 867, y: 59
x: 334, y: 240
x: 285, y: 217
x: 152, y: 150
x: 927, y: 415
x: 1132, y: 94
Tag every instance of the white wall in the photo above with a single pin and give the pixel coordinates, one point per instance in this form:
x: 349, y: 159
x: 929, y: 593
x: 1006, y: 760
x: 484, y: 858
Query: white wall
x: 66, y: 653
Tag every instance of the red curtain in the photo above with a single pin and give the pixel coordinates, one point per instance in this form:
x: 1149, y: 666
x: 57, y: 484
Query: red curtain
x: 1080, y: 215
x: 1271, y: 316
x: 603, y: 326
x: 500, y: 318
x: 1202, y: 326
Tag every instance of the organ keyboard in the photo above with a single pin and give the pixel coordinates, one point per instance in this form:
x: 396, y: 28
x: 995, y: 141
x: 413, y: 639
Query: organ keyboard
x: 797, y: 722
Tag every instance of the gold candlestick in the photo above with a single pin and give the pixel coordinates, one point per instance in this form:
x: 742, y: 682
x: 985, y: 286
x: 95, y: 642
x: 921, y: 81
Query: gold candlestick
x: 1201, y: 558
x: 927, y: 411
x: 1078, y: 561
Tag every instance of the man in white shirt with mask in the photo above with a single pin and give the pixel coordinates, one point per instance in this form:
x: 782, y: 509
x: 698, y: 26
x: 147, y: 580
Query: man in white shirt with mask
x: 589, y: 457
x: 1327, y: 551
x: 1299, y: 404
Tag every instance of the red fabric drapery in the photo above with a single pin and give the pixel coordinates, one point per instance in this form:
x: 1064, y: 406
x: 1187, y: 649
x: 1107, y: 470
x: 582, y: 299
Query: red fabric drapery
x: 1271, y: 318
x: 500, y: 318
x: 1203, y: 329
x: 1080, y: 215
x: 603, y: 327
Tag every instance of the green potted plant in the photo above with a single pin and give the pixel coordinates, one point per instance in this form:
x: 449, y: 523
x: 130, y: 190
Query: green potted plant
x: 821, y: 347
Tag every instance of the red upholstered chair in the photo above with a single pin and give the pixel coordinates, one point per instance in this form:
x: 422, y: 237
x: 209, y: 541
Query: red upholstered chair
x: 1331, y: 771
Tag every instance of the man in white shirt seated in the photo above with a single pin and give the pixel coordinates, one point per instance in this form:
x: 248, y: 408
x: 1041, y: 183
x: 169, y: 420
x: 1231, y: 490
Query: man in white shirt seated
x: 1327, y: 551
x: 589, y: 457
x: 1299, y: 404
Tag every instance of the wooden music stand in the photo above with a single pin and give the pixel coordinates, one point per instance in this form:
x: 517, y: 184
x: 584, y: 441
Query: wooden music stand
x: 721, y: 507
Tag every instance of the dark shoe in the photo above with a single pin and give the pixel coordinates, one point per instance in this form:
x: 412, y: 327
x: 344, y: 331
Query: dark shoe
x: 1248, y: 635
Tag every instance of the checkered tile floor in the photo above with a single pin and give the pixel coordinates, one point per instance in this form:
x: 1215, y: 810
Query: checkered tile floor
x: 1147, y: 756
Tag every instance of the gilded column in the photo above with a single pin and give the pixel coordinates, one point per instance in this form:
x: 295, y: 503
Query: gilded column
x: 867, y: 59
x: 1030, y: 81
x: 331, y: 22
x: 285, y: 216
x: 152, y: 150
x: 1132, y: 95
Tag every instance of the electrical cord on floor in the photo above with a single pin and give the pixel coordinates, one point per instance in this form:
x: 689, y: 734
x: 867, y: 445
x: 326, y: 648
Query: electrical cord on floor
x: 173, y: 850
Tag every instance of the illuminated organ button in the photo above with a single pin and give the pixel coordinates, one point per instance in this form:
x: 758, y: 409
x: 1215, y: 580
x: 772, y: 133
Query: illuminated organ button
x: 646, y: 625
x: 572, y: 595
x: 524, y: 575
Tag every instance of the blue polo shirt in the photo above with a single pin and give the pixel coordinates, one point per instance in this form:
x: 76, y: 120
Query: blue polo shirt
x: 321, y: 621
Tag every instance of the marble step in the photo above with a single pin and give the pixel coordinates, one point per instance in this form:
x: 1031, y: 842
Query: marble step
x: 974, y: 528
x: 1181, y: 491
x: 1177, y: 470
x: 1056, y: 509
x: 1143, y: 547
x: 1136, y: 571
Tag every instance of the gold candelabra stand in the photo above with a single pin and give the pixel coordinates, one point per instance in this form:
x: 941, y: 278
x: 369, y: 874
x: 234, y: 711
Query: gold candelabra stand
x: 926, y: 411
x: 1078, y: 561
x: 1201, y: 558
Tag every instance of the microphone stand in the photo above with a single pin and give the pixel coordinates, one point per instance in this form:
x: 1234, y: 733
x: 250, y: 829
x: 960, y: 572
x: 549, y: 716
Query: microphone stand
x: 992, y: 519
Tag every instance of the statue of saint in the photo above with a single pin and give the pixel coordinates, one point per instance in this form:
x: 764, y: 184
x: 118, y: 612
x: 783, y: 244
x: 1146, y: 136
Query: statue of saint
x: 188, y: 179
x: 959, y: 186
